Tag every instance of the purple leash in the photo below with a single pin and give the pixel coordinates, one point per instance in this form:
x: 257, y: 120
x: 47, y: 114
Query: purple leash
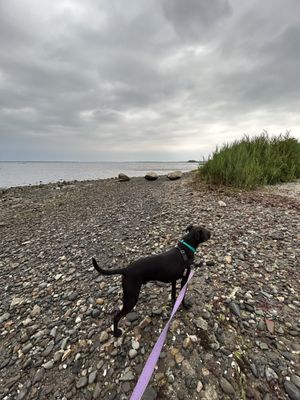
x: 147, y: 372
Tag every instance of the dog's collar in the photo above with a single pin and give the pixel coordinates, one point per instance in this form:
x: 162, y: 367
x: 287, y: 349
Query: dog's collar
x: 188, y: 246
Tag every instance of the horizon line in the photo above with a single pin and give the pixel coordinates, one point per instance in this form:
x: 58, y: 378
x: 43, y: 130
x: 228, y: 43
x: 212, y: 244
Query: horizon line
x: 72, y: 161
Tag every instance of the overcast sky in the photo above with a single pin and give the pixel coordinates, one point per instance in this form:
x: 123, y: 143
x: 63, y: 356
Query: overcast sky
x: 144, y: 79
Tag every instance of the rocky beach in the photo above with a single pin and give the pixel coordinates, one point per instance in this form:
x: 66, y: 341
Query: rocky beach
x: 241, y: 338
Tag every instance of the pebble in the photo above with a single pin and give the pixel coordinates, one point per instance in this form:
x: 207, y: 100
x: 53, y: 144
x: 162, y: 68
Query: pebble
x: 235, y: 309
x: 64, y: 343
x: 226, y: 386
x: 58, y: 355
x: 228, y: 259
x: 96, y: 312
x: 135, y: 344
x: 36, y: 310
x: 201, y: 323
x: 39, y: 375
x: 270, y: 374
x: 22, y: 393
x: 103, y: 337
x: 49, y: 364
x: 132, y: 353
x: 292, y: 390
x: 27, y: 348
x: 133, y: 316
x: 92, y: 377
x: 73, y: 296
x: 97, y: 391
x: 82, y: 382
x: 295, y: 379
x: 263, y: 345
x: 53, y: 332
x: 4, y: 317
x: 149, y: 394
x: 128, y: 376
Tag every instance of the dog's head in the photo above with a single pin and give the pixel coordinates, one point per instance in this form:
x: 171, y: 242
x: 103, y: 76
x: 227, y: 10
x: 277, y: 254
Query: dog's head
x: 196, y: 235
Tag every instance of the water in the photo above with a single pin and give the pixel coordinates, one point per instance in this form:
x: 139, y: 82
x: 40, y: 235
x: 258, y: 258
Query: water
x: 33, y: 173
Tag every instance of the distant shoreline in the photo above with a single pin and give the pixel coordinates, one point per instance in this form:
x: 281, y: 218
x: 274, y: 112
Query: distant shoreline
x: 95, y: 162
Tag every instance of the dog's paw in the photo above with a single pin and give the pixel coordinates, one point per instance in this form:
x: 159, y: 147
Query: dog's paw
x: 118, y: 333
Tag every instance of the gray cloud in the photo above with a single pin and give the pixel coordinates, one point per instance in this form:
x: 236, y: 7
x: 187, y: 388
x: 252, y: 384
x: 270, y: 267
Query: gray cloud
x: 145, y: 79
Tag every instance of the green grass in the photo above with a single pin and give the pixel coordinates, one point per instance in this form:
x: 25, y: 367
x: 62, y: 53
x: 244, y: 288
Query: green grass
x: 252, y: 162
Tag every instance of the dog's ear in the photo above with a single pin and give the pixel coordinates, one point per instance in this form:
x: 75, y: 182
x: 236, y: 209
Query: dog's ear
x: 188, y: 228
x: 198, y: 235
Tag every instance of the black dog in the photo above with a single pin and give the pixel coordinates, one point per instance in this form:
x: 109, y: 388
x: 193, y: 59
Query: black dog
x: 165, y: 267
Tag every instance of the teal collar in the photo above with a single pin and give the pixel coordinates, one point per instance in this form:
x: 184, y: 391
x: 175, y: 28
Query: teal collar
x: 188, y: 246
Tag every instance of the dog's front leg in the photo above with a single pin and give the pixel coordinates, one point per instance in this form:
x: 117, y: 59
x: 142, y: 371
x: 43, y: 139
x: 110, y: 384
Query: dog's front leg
x: 185, y: 277
x: 173, y: 291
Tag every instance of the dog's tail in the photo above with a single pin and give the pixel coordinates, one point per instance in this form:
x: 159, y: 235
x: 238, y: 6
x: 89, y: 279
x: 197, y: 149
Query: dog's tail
x: 107, y: 272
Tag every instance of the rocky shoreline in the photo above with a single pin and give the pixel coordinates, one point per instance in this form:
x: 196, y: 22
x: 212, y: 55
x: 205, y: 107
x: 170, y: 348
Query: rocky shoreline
x: 240, y: 340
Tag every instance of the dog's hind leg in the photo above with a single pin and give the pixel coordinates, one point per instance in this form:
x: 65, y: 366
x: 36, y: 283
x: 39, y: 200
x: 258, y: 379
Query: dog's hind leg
x: 131, y: 291
x: 183, y: 282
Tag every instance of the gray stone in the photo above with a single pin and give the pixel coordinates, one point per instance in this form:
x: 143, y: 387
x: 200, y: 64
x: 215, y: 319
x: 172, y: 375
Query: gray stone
x: 292, y: 390
x: 73, y: 296
x: 262, y: 345
x: 201, y: 324
x: 261, y: 325
x: 133, y: 316
x: 295, y: 379
x: 39, y: 375
x: 82, y: 382
x: 92, y: 377
x: 35, y: 311
x: 48, y: 364
x: 4, y: 317
x: 97, y: 391
x: 254, y: 370
x: 58, y: 355
x: 226, y: 386
x: 210, y: 393
x: 123, y: 178
x: 27, y: 348
x: 174, y: 175
x: 49, y: 348
x: 235, y: 309
x: 96, y: 312
x: 64, y: 343
x: 151, y: 176
x: 22, y: 393
x: 128, y: 376
x: 4, y: 363
x: 103, y: 337
x: 53, y: 332
x: 149, y: 394
x: 270, y: 374
x: 132, y: 353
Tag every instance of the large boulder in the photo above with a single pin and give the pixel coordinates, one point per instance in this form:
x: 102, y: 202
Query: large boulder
x: 123, y: 178
x: 174, y: 175
x: 151, y: 176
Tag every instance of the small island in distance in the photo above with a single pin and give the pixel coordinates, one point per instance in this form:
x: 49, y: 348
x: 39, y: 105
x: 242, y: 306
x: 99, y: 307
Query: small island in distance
x: 195, y: 161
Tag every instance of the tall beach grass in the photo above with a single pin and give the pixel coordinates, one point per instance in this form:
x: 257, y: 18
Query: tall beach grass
x: 252, y: 162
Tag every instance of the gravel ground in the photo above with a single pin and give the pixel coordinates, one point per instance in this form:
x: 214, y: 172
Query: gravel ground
x: 240, y: 340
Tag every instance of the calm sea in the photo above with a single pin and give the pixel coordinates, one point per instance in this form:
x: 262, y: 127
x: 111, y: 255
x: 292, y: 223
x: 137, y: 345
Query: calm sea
x: 33, y: 173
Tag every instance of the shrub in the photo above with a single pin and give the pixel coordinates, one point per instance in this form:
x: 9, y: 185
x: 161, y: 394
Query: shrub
x: 252, y: 162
